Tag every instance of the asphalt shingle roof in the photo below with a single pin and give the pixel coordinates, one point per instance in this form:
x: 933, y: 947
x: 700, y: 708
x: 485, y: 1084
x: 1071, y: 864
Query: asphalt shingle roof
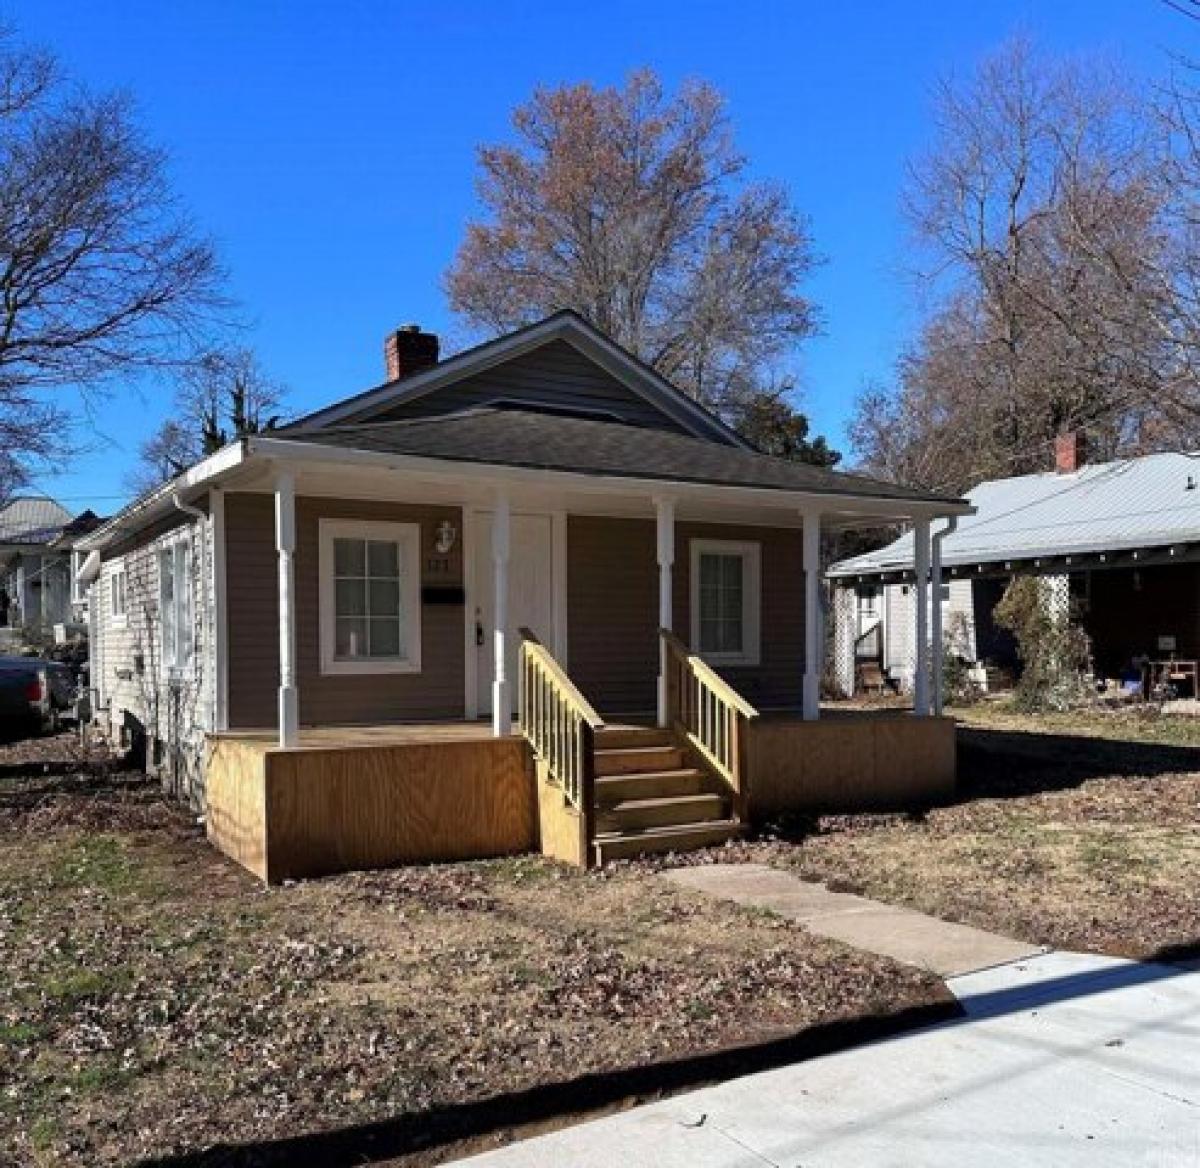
x: 1133, y: 503
x: 561, y: 442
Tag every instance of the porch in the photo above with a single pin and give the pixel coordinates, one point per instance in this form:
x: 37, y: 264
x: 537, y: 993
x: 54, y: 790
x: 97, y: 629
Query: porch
x: 431, y: 602
x: 351, y: 797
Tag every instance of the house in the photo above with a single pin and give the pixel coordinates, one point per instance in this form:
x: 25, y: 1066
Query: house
x: 35, y: 572
x: 1117, y: 545
x: 322, y: 635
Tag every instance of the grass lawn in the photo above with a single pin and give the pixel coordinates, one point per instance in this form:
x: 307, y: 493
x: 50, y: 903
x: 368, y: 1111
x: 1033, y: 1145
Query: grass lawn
x: 1074, y: 830
x: 155, y: 998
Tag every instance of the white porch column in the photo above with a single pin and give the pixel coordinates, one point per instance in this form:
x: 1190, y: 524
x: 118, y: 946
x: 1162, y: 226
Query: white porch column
x: 936, y: 649
x: 501, y: 704
x: 921, y: 604
x: 285, y: 543
x: 665, y: 523
x: 812, y: 617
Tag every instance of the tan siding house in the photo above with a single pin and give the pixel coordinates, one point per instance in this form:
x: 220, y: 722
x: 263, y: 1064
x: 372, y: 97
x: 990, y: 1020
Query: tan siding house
x: 534, y: 570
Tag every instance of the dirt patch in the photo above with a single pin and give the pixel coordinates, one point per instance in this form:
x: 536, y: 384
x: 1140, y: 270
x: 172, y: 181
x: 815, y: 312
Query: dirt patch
x: 160, y: 1000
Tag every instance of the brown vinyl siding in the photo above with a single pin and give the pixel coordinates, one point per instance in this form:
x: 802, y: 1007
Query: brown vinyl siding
x: 554, y: 376
x: 252, y: 571
x: 612, y: 587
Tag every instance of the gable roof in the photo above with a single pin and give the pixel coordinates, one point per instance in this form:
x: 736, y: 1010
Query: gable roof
x: 565, y: 325
x: 32, y: 519
x: 1152, y: 501
x: 513, y: 437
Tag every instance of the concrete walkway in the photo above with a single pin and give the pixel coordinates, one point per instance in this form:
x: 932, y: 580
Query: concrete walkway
x: 900, y: 933
x: 1062, y: 1060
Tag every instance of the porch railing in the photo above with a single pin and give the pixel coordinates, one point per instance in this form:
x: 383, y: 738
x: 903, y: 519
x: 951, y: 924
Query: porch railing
x: 559, y: 723
x: 710, y: 713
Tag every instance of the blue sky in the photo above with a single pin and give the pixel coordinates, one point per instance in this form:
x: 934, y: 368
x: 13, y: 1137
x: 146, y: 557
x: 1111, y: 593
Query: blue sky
x: 329, y: 149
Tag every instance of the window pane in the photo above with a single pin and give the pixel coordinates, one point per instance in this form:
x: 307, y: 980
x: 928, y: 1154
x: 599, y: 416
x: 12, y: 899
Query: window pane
x: 383, y: 558
x: 710, y: 633
x: 732, y: 636
x: 349, y: 557
x: 385, y: 637
x: 710, y: 572
x: 351, y: 638
x: 731, y: 571
x: 351, y: 598
x: 385, y: 597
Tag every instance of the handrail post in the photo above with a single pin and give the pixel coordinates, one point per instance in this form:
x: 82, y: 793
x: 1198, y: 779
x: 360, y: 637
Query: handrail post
x: 587, y: 792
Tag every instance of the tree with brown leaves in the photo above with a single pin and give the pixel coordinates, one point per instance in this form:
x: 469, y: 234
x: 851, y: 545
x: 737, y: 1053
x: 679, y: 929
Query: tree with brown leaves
x: 634, y: 209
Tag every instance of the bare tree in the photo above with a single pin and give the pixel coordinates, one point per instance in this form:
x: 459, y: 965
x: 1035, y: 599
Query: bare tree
x: 100, y: 274
x: 1041, y: 221
x: 634, y: 209
x: 221, y: 396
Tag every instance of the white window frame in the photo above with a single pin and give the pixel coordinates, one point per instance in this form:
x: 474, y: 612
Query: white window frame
x: 116, y: 579
x: 751, y: 554
x: 408, y: 537
x: 183, y: 603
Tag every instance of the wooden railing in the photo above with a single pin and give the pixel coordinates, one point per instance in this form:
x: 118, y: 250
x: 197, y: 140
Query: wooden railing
x: 710, y: 713
x: 559, y: 723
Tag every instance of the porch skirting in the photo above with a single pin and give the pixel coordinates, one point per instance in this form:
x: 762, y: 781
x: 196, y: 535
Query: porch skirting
x: 854, y: 762
x: 313, y: 811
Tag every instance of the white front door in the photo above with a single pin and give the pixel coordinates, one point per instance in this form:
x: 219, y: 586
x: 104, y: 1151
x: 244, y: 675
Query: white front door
x: 531, y: 587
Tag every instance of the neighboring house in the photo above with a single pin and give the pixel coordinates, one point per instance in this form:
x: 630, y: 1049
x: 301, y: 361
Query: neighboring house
x: 35, y: 573
x: 337, y: 606
x: 1117, y: 545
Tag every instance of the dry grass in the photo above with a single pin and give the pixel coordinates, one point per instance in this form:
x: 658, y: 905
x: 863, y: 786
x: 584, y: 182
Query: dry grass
x: 157, y: 999
x: 1076, y: 830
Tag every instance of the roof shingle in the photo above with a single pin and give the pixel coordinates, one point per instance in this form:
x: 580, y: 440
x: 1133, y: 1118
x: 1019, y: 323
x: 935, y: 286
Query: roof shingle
x: 549, y: 441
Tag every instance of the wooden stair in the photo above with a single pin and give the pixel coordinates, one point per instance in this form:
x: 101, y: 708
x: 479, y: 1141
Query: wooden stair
x: 650, y: 799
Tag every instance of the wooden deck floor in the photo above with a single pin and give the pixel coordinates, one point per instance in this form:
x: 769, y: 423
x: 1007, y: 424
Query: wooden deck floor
x: 400, y: 733
x: 391, y: 734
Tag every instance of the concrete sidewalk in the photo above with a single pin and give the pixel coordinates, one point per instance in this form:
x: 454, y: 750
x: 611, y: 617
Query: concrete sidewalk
x: 914, y: 938
x: 1064, y: 1059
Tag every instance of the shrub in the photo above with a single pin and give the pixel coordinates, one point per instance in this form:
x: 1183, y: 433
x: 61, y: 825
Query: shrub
x: 1055, y: 654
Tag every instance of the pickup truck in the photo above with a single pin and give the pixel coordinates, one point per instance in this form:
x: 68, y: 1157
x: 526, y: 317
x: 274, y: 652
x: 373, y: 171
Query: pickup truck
x: 34, y: 693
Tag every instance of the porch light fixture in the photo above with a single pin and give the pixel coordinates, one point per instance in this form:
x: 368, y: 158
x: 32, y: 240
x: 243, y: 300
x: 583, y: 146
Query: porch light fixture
x: 446, y: 537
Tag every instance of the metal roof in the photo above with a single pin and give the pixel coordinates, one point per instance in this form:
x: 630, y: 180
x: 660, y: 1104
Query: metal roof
x: 1152, y: 501
x: 34, y: 519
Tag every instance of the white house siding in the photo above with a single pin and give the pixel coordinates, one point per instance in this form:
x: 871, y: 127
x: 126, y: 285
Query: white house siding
x: 898, y: 609
x: 135, y: 698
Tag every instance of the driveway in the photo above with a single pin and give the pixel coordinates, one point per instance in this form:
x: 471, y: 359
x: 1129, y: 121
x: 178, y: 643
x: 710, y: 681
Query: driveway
x: 1062, y: 1059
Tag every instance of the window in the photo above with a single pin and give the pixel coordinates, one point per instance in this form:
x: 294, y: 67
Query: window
x: 726, y: 600
x: 175, y: 604
x: 370, y: 597
x: 868, y: 601
x: 117, y: 585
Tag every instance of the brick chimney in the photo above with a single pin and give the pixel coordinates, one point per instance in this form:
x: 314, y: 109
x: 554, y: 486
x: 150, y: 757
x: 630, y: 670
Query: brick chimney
x: 1070, y: 451
x: 408, y: 350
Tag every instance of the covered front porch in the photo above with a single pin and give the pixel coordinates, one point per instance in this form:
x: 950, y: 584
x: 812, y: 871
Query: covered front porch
x: 419, y: 650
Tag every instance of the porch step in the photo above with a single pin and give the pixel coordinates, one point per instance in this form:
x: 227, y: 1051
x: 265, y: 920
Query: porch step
x: 625, y: 844
x: 639, y: 814
x: 634, y: 760
x: 621, y: 737
x: 652, y: 785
